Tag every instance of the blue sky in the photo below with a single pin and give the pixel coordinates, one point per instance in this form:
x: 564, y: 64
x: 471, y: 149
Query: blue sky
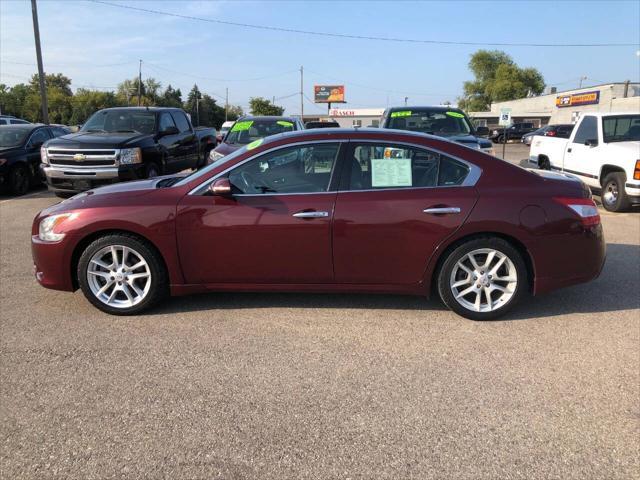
x: 99, y: 45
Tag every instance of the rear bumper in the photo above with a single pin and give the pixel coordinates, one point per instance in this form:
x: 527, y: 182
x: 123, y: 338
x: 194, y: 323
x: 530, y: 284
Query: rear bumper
x: 73, y: 179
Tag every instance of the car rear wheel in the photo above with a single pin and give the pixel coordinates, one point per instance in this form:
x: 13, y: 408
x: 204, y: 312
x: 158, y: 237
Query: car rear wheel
x: 19, y: 180
x: 614, y: 197
x: 121, y: 274
x: 483, y: 278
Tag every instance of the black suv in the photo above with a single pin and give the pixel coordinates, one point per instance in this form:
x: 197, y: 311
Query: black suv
x: 514, y: 132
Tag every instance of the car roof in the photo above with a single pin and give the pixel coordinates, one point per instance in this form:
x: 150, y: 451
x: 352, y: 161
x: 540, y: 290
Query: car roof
x: 145, y: 109
x: 23, y: 126
x: 437, y: 108
x: 266, y: 117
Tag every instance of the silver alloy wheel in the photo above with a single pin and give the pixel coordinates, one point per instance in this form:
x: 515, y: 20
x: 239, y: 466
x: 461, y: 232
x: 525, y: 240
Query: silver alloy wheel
x: 484, y: 280
x: 119, y: 276
x: 611, y: 193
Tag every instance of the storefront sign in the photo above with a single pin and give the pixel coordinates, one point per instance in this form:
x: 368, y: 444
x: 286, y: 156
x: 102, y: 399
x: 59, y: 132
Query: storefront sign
x: 578, y: 99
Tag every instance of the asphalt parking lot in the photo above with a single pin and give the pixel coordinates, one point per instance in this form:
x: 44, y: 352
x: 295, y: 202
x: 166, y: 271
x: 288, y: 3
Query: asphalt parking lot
x: 319, y: 386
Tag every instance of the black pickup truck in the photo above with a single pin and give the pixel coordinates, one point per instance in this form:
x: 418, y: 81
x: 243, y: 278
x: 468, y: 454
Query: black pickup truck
x: 118, y: 144
x: 514, y: 132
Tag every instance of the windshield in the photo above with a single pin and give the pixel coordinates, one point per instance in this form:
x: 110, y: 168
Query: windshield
x: 434, y: 122
x: 621, y: 128
x: 199, y: 173
x: 134, y: 121
x: 247, y: 131
x: 13, y: 136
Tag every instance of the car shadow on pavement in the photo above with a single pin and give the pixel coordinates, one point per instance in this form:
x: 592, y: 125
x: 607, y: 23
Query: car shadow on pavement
x: 616, y: 289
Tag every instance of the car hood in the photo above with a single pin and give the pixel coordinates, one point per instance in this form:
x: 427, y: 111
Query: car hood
x: 97, y: 140
x: 468, y: 140
x: 227, y: 148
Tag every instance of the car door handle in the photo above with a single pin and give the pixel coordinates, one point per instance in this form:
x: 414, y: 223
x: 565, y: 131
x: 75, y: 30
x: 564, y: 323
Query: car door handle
x: 441, y: 210
x: 311, y: 214
x: 568, y: 150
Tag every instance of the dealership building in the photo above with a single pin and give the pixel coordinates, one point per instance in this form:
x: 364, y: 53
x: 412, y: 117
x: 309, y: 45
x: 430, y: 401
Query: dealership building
x: 350, y: 117
x: 565, y: 107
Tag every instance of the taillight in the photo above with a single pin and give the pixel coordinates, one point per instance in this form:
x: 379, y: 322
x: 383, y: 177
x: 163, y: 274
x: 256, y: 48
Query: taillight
x: 585, y: 208
x: 636, y: 171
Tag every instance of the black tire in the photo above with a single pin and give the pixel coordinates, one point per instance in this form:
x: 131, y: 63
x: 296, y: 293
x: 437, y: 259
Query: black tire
x: 613, y: 195
x: 205, y: 157
x: 543, y: 164
x: 458, y: 253
x: 159, y: 287
x: 19, y: 180
x: 152, y: 170
x: 64, y: 194
x: 500, y: 139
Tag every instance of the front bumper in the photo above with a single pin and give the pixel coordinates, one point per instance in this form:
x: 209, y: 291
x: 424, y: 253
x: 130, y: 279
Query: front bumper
x: 633, y: 192
x: 52, y: 263
x: 73, y: 179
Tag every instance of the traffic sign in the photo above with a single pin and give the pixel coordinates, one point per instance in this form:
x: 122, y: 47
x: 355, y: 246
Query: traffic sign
x: 505, y: 117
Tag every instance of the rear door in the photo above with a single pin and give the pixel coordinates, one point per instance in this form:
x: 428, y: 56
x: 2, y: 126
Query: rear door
x: 274, y: 229
x: 396, y: 203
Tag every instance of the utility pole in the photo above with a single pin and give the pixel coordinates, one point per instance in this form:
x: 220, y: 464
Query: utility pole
x: 226, y: 105
x: 41, y: 78
x: 405, y: 101
x: 301, y: 94
x: 581, y: 79
x: 139, y: 81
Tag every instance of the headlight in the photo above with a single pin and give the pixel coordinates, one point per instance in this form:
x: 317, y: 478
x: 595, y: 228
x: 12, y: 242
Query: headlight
x: 495, y: 132
x: 215, y: 156
x: 48, y: 226
x: 130, y: 155
x: 44, y: 156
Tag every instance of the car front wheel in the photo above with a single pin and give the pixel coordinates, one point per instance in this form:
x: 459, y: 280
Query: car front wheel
x: 483, y: 278
x: 121, y: 274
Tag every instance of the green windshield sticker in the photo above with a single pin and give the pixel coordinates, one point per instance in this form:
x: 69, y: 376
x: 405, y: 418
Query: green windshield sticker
x: 455, y: 114
x: 284, y: 124
x: 404, y: 113
x: 242, y: 126
x: 255, y: 144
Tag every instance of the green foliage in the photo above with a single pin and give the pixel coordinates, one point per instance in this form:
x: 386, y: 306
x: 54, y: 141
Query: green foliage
x: 497, y: 79
x: 203, y: 109
x: 234, y: 112
x: 262, y: 106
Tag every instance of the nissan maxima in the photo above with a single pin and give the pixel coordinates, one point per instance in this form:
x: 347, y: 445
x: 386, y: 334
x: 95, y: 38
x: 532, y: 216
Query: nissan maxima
x: 328, y: 210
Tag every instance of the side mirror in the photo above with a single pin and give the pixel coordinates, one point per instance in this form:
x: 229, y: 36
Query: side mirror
x: 482, y: 131
x: 221, y: 187
x: 591, y: 142
x: 169, y: 131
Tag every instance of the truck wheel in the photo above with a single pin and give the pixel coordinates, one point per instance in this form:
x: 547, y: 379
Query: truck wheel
x: 543, y: 163
x: 500, y: 139
x: 614, y: 197
x: 19, y: 180
x: 153, y: 170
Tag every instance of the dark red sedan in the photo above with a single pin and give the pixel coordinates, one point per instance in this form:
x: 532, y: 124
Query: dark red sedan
x: 328, y: 210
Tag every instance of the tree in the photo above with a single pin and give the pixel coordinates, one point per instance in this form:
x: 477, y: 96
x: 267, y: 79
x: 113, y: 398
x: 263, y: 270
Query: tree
x: 234, y: 112
x: 171, y: 97
x: 262, y: 106
x: 86, y: 102
x: 152, y: 91
x: 497, y: 79
x: 52, y: 80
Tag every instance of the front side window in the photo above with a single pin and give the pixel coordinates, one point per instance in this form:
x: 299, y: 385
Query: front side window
x: 299, y: 169
x: 621, y: 128
x: 39, y: 137
x: 378, y: 166
x: 588, y: 130
x: 181, y: 122
x: 166, y: 121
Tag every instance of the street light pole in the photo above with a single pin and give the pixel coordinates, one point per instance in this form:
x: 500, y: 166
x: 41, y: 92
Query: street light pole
x: 139, y: 81
x: 41, y: 78
x: 301, y: 93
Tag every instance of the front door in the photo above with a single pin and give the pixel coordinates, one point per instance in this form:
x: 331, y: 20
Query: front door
x: 275, y: 228
x: 395, y: 205
x: 581, y: 158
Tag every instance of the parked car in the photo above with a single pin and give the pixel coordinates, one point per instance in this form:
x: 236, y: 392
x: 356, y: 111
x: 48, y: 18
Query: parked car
x: 321, y: 124
x: 128, y: 143
x: 11, y: 120
x: 514, y: 132
x: 226, y: 126
x: 249, y: 129
x: 560, y: 131
x: 20, y: 154
x: 336, y: 210
x: 603, y: 151
x: 450, y: 123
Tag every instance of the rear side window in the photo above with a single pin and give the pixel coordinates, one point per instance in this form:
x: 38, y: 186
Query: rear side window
x: 39, y: 137
x: 378, y: 166
x: 181, y: 122
x: 18, y: 122
x: 588, y: 130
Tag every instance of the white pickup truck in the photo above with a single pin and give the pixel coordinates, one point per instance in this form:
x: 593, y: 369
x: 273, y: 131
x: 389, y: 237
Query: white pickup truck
x: 603, y: 151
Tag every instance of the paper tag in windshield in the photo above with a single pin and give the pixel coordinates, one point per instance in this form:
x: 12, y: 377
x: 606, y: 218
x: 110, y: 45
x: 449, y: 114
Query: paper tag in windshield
x: 241, y: 126
x: 255, y: 144
x: 386, y: 172
x: 455, y: 114
x: 404, y: 113
x: 284, y: 124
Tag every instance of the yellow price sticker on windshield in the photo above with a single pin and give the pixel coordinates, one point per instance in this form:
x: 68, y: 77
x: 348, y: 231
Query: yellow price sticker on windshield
x: 284, y: 124
x: 404, y: 113
x: 242, y: 126
x: 455, y: 114
x: 255, y: 144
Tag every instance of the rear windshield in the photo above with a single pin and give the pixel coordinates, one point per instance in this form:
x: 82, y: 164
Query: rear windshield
x: 439, y: 122
x: 244, y: 132
x: 621, y: 128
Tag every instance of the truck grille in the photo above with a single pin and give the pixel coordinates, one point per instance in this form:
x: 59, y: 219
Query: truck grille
x: 83, y: 158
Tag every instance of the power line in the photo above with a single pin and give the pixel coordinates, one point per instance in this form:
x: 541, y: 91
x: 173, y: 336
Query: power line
x: 201, y: 77
x: 361, y: 37
x: 71, y: 65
